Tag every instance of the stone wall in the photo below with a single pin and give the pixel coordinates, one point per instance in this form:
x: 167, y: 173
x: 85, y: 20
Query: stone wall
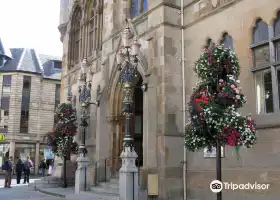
x: 41, y: 107
x: 258, y: 164
x: 159, y: 32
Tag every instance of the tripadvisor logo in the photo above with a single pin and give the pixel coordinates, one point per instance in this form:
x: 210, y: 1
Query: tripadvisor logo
x: 217, y: 186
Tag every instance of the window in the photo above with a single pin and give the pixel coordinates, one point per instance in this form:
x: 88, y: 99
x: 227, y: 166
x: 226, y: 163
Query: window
x: 260, y: 31
x: 57, y: 95
x: 57, y: 65
x: 264, y: 92
x: 6, y: 112
x: 7, y: 80
x: 277, y: 25
x: 261, y: 55
x: 267, y: 84
x: 24, y: 118
x: 227, y: 41
x: 5, y: 101
x: 95, y: 12
x: 24, y: 121
x: 277, y: 34
x: 75, y: 37
x: 137, y: 7
x: 277, y: 51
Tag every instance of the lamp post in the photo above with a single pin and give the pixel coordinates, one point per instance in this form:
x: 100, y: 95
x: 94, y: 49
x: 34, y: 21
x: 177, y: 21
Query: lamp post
x: 127, y: 64
x: 84, y: 100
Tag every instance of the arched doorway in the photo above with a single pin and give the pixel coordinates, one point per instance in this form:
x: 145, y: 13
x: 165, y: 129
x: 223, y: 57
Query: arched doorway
x: 118, y: 124
x: 137, y: 121
x: 136, y: 126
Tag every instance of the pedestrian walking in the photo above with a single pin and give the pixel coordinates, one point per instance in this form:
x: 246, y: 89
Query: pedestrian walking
x: 27, y: 165
x: 43, y: 166
x: 8, y: 168
x: 19, y: 169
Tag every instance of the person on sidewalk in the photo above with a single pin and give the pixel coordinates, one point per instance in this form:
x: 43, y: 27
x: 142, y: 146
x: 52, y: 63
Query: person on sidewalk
x: 8, y: 168
x: 43, y: 166
x: 27, y: 165
x: 19, y: 169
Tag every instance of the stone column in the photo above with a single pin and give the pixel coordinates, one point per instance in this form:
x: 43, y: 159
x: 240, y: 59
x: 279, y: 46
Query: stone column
x: 82, y: 179
x: 129, y: 176
x: 12, y: 149
x: 37, y: 161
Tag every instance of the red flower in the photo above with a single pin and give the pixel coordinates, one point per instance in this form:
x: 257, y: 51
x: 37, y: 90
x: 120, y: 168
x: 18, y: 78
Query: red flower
x: 197, y: 100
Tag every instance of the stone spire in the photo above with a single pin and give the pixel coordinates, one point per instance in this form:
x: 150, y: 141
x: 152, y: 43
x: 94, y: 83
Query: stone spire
x: 4, y: 51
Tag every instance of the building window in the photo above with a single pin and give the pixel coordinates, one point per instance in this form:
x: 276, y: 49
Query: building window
x: 95, y: 13
x: 6, y: 112
x: 57, y: 95
x: 57, y: 65
x: 277, y: 25
x: 277, y: 34
x: 137, y: 7
x: 277, y: 51
x: 260, y: 31
x: 76, y: 37
x: 227, y: 41
x: 24, y: 119
x: 264, y: 92
x: 5, y: 102
x: 267, y: 84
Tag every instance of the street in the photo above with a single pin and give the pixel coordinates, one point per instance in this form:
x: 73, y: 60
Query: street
x: 22, y: 192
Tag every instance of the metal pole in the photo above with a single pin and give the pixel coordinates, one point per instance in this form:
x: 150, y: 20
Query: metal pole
x: 64, y: 172
x: 84, y: 140
x: 105, y: 172
x: 219, y: 167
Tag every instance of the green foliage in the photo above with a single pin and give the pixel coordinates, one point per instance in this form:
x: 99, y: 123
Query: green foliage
x: 214, y: 103
x: 61, y: 139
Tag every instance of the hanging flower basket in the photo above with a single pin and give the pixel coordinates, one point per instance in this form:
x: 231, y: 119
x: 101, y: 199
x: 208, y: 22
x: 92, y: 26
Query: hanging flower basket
x: 214, y: 103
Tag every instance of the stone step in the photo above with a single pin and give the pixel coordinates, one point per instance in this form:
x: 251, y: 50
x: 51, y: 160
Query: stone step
x: 105, y: 191
x: 89, y: 195
x: 109, y: 185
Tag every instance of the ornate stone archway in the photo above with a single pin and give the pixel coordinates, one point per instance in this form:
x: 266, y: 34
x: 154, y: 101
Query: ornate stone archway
x: 116, y: 119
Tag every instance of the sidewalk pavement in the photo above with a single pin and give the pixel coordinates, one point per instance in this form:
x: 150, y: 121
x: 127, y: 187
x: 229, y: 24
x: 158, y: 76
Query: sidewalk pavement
x: 69, y: 194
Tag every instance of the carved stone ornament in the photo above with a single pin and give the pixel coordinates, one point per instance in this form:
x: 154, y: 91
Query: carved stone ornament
x: 214, y: 3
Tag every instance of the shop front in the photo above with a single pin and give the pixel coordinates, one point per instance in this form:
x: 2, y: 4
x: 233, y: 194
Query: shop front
x: 4, y: 151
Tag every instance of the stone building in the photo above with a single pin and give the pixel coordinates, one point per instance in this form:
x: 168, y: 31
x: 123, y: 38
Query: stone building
x: 172, y: 40
x: 30, y: 91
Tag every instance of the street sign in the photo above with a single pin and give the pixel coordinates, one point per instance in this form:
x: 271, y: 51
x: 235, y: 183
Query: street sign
x: 212, y: 154
x: 2, y: 137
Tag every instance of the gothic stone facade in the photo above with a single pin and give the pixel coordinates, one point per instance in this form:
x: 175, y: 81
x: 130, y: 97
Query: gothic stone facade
x: 250, y: 27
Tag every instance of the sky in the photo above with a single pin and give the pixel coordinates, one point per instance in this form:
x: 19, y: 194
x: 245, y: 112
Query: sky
x: 31, y: 24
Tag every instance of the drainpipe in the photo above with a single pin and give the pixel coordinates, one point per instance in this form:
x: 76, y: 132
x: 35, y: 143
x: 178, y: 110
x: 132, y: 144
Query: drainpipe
x: 184, y: 97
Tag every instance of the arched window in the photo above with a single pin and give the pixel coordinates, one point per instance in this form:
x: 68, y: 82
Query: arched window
x: 227, y: 41
x: 76, y: 36
x: 260, y: 32
x: 95, y: 24
x: 277, y: 42
x: 137, y: 7
x: 262, y: 66
x: 277, y: 25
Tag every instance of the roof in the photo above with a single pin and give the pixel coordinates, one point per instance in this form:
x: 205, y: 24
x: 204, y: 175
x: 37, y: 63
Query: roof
x: 4, y: 51
x: 27, y: 60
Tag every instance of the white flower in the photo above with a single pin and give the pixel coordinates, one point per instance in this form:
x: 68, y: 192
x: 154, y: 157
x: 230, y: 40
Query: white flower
x: 238, y: 81
x: 237, y: 96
